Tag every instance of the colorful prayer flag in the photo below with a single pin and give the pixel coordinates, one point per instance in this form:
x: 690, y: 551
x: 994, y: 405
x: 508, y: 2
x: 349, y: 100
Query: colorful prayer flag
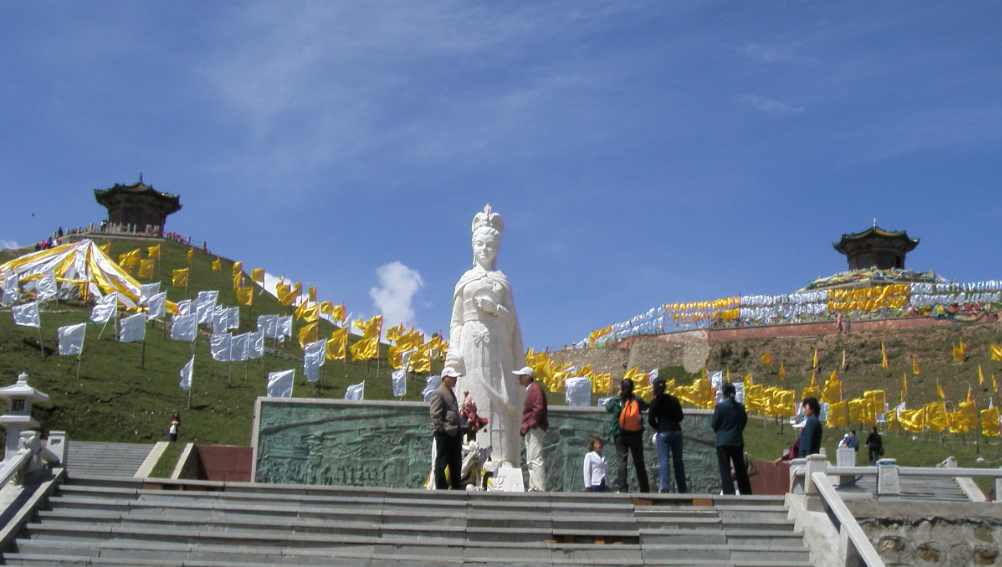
x: 153, y: 252
x: 179, y: 278
x: 257, y: 276
x: 766, y: 359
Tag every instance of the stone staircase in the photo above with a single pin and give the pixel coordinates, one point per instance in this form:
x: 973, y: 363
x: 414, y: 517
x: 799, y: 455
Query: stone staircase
x: 118, y: 521
x: 105, y: 459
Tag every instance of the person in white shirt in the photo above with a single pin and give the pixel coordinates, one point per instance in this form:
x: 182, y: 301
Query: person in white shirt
x: 595, y: 469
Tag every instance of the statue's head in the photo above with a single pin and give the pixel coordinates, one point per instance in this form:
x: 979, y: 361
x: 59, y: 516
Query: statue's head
x: 487, y: 229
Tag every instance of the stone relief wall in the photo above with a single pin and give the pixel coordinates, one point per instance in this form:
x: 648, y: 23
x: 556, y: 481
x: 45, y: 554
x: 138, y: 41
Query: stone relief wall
x: 388, y: 444
x: 942, y: 534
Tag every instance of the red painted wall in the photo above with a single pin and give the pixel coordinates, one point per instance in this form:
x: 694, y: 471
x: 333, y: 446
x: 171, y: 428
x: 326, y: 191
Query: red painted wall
x: 223, y: 462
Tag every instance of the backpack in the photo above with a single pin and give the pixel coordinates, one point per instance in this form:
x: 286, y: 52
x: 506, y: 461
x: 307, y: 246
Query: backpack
x: 629, y: 418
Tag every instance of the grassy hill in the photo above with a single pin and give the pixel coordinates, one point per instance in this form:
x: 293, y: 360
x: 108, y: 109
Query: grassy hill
x: 116, y: 398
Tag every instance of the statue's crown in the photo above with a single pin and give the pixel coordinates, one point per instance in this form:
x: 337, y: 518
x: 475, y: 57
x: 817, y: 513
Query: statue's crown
x: 488, y: 219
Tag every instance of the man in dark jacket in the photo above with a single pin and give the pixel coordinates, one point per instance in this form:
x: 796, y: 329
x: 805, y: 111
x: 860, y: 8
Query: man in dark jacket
x: 729, y: 420
x: 534, y: 426
x: 444, y: 411
x: 664, y: 416
x: 628, y: 442
x: 874, y: 446
x: 810, y: 438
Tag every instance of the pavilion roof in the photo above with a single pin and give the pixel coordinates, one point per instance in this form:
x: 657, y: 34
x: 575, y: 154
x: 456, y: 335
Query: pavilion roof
x: 900, y: 239
x: 172, y: 203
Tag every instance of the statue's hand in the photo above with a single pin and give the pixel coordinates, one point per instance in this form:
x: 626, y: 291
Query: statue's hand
x: 486, y: 305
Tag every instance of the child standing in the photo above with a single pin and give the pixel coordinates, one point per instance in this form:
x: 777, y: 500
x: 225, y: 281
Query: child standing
x: 595, y: 469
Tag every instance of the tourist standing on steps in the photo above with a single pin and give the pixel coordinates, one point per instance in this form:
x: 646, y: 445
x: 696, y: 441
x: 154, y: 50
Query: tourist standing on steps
x: 596, y: 471
x: 874, y: 446
x: 534, y: 426
x: 444, y: 409
x: 665, y: 416
x: 175, y: 424
x: 729, y: 420
x: 627, y: 432
x: 810, y: 437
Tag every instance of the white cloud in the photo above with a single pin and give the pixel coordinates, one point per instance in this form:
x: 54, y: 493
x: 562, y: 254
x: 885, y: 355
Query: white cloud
x: 394, y: 297
x: 8, y: 244
x: 768, y: 105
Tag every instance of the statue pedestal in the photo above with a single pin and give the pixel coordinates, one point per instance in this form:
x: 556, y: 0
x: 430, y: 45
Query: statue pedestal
x: 506, y: 479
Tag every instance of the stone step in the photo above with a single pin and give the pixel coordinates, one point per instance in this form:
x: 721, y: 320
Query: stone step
x: 110, y: 459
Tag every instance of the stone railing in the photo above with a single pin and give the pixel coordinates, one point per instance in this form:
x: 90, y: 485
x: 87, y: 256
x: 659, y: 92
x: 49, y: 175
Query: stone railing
x: 33, y: 456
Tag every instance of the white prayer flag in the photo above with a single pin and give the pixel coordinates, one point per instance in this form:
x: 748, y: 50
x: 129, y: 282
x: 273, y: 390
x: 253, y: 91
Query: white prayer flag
x: 284, y: 326
x: 105, y: 308
x: 205, y: 306
x: 255, y: 344
x: 238, y: 347
x: 356, y: 392
x: 602, y: 401
x: 71, y: 338
x: 280, y: 383
x: 46, y: 287
x: 147, y: 291
x: 157, y: 305
x: 269, y: 325
x: 313, y: 359
x: 220, y: 320
x: 183, y: 307
x: 431, y: 384
x: 184, y: 327
x: 577, y: 391
x: 10, y: 290
x: 132, y: 328
x: 651, y: 377
x: 399, y: 381
x: 233, y: 318
x: 26, y: 315
x: 186, y: 374
x: 219, y: 347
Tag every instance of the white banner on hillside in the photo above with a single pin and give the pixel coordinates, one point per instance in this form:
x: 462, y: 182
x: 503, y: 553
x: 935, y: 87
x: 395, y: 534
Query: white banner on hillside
x: 285, y: 326
x: 186, y: 373
x: 269, y: 325
x: 46, y: 288
x: 71, y: 338
x: 398, y: 378
x: 232, y: 318
x: 219, y: 347
x: 356, y: 392
x: 147, y: 291
x: 431, y: 384
x: 105, y: 308
x: 184, y: 327
x: 280, y: 383
x: 10, y: 290
x: 238, y: 347
x: 220, y: 320
x: 183, y: 307
x: 26, y: 315
x: 255, y: 344
x: 157, y: 305
x: 313, y: 359
x: 132, y: 328
x: 205, y: 306
x: 578, y: 391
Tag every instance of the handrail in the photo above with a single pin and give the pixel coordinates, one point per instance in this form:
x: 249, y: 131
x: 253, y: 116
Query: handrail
x: 912, y: 471
x: 13, y: 465
x: 854, y: 547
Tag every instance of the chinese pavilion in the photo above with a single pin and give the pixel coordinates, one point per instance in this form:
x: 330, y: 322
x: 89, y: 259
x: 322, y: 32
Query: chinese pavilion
x: 138, y: 206
x: 876, y: 248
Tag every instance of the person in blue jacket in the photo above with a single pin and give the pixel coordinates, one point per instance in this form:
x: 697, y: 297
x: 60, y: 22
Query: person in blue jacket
x: 810, y: 438
x: 728, y: 422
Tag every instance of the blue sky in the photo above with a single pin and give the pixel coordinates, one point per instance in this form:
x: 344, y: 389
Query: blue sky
x: 639, y: 152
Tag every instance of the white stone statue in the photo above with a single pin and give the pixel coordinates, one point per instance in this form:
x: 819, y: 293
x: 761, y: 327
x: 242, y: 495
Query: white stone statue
x: 486, y: 343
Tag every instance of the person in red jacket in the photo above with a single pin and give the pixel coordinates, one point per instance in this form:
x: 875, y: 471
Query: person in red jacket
x: 534, y: 426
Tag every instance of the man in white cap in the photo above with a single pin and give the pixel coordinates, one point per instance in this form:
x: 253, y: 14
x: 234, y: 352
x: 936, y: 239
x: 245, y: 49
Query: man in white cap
x: 534, y: 426
x: 444, y: 410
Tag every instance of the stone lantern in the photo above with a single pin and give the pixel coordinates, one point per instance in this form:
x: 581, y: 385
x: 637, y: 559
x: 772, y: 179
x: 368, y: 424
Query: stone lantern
x: 18, y: 417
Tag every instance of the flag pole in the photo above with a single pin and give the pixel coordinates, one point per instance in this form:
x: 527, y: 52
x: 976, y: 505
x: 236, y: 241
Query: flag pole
x: 80, y: 354
x: 142, y: 355
x: 229, y: 371
x: 41, y: 346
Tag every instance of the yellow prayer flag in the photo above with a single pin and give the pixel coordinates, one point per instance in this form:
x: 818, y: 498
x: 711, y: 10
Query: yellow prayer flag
x: 245, y: 295
x: 595, y: 335
x: 815, y: 357
x: 308, y: 334
x: 238, y: 269
x: 832, y: 391
x: 782, y: 371
x: 968, y: 413
x: 420, y: 361
x: 257, y: 276
x: 995, y: 387
x: 146, y: 268
x: 748, y: 381
x: 191, y: 256
x: 990, y: 422
x: 838, y: 414
x: 857, y: 410
x: 939, y: 390
x: 912, y: 421
x: 960, y: 351
x: 935, y: 416
x: 286, y: 295
x: 883, y: 357
x: 217, y: 265
x: 892, y: 421
x: 981, y: 376
x: 915, y: 366
x: 766, y: 359
x: 153, y: 252
x: 365, y: 349
x: 106, y: 248
x: 311, y: 293
x: 877, y: 398
x: 337, y: 345
x: 338, y: 313
x: 179, y: 278
x: 904, y: 387
x: 326, y: 307
x: 810, y: 392
x: 995, y: 352
x: 238, y: 281
x: 813, y: 381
